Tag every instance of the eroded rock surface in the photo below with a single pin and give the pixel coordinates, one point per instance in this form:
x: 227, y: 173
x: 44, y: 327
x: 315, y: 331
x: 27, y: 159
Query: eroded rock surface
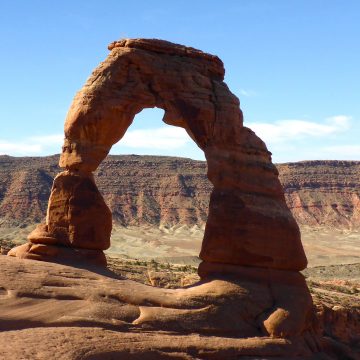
x: 81, y: 314
x: 249, y: 222
x: 250, y: 285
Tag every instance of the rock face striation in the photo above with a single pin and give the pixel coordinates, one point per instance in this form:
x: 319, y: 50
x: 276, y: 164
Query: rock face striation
x: 323, y: 192
x: 166, y: 191
x: 250, y: 284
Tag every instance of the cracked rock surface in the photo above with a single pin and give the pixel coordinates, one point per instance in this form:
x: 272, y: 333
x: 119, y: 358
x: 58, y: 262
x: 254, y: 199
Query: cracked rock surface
x: 55, y: 311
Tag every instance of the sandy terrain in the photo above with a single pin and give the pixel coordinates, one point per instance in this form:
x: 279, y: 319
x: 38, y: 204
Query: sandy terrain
x: 323, y: 246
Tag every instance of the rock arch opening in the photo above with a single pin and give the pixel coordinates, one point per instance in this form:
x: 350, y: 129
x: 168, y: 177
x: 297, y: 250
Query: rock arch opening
x: 159, y: 203
x: 169, y: 187
x: 248, y: 224
x: 148, y: 134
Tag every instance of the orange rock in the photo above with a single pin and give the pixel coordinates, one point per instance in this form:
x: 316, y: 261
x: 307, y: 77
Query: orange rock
x: 77, y: 219
x: 249, y: 222
x: 252, y: 248
x: 60, y: 254
x: 41, y: 235
x: 291, y: 310
x: 77, y: 214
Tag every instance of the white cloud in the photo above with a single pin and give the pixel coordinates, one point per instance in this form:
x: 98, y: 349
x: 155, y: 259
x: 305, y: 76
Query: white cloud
x: 37, y: 145
x: 288, y: 130
x: 149, y: 140
x: 7, y: 148
x: 341, y: 120
x: 247, y: 93
x: 56, y: 139
x: 163, y: 138
x: 343, y: 151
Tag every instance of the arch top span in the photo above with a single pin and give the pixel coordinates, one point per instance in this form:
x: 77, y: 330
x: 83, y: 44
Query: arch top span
x: 214, y: 63
x: 145, y: 73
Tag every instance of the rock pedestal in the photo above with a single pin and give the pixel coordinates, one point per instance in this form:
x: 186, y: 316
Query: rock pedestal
x: 252, y: 242
x: 249, y: 222
x: 78, y: 224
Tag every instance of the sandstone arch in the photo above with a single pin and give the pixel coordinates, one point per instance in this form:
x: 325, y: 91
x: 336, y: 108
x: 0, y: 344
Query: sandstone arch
x: 251, y: 251
x: 249, y: 222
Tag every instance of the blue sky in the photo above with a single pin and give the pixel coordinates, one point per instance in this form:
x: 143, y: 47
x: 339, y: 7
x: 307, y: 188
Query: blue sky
x: 294, y: 64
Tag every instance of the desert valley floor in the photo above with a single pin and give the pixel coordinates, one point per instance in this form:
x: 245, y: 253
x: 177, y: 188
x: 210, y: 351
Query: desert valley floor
x: 181, y: 244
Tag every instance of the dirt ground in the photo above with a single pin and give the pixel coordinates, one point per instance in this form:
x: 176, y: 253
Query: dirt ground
x: 324, y: 246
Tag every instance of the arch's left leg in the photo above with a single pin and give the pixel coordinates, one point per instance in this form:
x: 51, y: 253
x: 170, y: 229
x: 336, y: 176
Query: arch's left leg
x: 78, y: 224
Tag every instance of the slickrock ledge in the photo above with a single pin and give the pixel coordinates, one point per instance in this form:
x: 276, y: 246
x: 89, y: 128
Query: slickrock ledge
x: 55, y: 311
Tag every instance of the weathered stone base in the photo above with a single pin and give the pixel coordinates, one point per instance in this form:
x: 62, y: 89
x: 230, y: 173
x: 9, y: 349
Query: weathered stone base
x: 59, y: 254
x: 79, y: 314
x: 291, y: 309
x: 94, y: 343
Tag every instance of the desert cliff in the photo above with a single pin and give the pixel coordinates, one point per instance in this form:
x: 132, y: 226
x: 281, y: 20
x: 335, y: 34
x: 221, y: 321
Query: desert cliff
x: 168, y: 191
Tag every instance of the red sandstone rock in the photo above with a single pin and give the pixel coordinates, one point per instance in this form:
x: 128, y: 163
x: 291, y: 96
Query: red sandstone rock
x: 249, y: 222
x: 339, y: 323
x: 221, y: 317
x: 291, y: 310
x: 41, y: 235
x: 77, y: 214
x: 61, y: 254
x: 78, y: 223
